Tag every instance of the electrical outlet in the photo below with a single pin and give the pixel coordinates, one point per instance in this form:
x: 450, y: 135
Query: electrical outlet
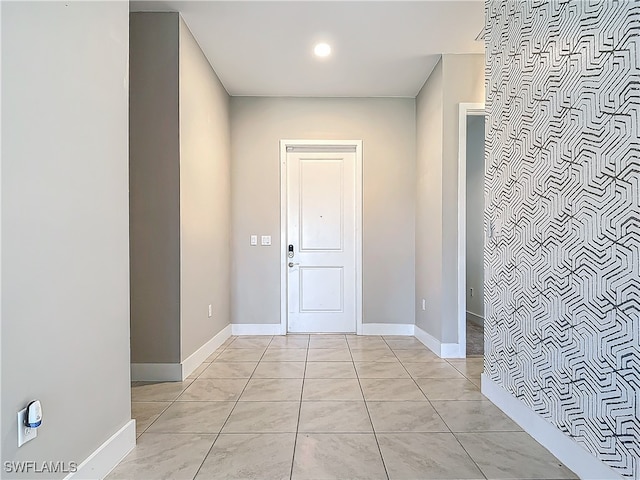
x: 210, y: 311
x: 25, y: 433
x: 266, y: 240
x: 424, y: 304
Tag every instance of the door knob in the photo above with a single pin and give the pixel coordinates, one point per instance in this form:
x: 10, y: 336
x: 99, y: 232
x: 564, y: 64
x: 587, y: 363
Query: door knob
x: 291, y: 264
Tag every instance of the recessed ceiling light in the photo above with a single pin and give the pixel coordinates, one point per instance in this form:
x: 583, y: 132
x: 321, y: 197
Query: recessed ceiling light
x: 322, y: 50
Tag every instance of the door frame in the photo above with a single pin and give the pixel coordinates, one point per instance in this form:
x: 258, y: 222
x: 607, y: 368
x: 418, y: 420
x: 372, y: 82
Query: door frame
x: 465, y: 110
x: 328, y: 146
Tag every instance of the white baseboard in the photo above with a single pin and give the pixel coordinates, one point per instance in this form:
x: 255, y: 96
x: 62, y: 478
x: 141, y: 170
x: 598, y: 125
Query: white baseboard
x: 367, y: 329
x: 176, y: 372
x: 427, y: 340
x: 156, y: 372
x: 475, y: 318
x: 194, y: 360
x: 574, y: 456
x: 100, y: 463
x: 443, y: 350
x: 387, y: 329
x: 255, y: 329
x: 451, y: 350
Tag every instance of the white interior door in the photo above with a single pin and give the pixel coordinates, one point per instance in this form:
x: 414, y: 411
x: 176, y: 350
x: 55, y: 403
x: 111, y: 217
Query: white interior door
x: 321, y: 240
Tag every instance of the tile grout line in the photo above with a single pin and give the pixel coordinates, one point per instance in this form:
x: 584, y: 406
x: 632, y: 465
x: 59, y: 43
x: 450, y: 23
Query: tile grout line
x: 424, y: 394
x: 262, y: 360
x: 460, y: 371
x: 411, y: 377
x: 156, y: 419
x: 295, y: 437
x: 366, y: 407
x: 440, y: 416
x: 175, y: 400
x: 468, y: 454
x: 297, y: 432
x: 232, y: 409
x: 172, y: 402
x: 353, y: 362
x: 438, y: 413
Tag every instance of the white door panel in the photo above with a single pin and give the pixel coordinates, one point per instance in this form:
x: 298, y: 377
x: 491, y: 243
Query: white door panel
x: 321, y: 227
x: 321, y: 204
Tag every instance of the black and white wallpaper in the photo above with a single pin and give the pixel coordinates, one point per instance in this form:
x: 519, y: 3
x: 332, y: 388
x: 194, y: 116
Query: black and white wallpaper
x: 562, y: 196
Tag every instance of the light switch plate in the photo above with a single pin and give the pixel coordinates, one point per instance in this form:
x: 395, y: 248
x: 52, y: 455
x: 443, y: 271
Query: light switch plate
x: 25, y: 433
x: 266, y: 240
x: 254, y: 240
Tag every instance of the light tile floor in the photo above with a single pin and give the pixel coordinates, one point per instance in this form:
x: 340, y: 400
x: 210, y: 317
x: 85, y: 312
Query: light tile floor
x: 328, y: 406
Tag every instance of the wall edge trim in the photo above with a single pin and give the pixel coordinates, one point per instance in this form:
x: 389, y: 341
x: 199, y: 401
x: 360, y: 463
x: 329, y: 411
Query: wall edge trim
x: 108, y: 455
x: 574, y: 456
x: 156, y: 372
x: 404, y: 329
x: 443, y: 350
x: 475, y: 318
x: 194, y: 360
x: 255, y: 329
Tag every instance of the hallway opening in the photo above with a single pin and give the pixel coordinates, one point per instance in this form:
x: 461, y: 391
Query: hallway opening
x: 471, y: 237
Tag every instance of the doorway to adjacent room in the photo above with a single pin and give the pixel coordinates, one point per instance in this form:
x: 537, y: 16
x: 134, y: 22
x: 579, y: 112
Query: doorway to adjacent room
x: 471, y: 236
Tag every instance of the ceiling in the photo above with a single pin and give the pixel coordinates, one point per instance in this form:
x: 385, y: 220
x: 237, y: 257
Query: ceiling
x: 379, y: 48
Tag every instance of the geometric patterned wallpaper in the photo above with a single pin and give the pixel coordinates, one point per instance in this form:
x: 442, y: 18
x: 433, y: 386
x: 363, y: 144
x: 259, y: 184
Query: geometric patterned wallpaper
x: 562, y: 192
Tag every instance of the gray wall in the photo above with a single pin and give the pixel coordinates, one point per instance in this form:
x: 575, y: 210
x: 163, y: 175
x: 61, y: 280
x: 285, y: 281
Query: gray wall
x: 387, y: 128
x: 154, y: 183
x: 180, y: 192
x: 204, y: 197
x: 65, y: 258
x: 428, y: 283
x: 463, y: 81
x: 563, y: 176
x: 475, y: 214
x: 456, y: 79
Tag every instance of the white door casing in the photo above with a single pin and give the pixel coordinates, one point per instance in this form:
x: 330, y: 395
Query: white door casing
x: 321, y: 196
x: 464, y: 110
